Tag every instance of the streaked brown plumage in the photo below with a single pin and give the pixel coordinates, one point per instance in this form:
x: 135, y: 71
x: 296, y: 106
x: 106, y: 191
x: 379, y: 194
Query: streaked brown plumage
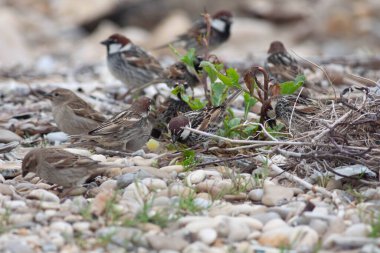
x: 58, y: 166
x: 128, y: 130
x: 72, y: 114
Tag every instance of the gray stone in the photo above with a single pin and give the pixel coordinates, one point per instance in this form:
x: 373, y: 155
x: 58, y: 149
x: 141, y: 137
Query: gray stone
x: 128, y: 178
x: 159, y: 242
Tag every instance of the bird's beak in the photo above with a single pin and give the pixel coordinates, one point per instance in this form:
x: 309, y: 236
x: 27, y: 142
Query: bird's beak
x: 105, y: 42
x: 174, y: 138
x: 48, y: 95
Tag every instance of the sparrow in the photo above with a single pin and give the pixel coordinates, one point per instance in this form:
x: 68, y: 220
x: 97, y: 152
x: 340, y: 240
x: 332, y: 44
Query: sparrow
x: 207, y: 119
x: 61, y: 167
x: 179, y: 73
x: 71, y: 113
x: 170, y: 108
x: 127, y: 131
x: 129, y: 63
x: 296, y: 112
x: 194, y: 37
x: 280, y: 64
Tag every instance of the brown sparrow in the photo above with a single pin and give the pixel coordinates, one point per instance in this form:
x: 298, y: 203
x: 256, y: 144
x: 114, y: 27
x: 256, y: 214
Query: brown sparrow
x: 280, y: 64
x: 58, y: 166
x: 128, y: 130
x: 194, y: 37
x: 71, y: 113
x: 296, y: 112
x: 207, y: 120
x: 129, y: 63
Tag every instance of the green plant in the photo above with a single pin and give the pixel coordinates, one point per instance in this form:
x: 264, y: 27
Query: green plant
x: 189, y: 159
x: 187, y: 204
x: 375, y: 227
x: 112, y: 213
x: 4, y: 221
x: 147, y: 215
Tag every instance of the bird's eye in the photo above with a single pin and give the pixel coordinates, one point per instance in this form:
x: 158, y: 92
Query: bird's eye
x: 55, y: 94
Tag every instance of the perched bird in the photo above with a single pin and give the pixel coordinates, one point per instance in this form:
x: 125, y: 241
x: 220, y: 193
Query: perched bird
x: 280, y: 64
x: 61, y: 167
x: 128, y: 130
x: 194, y: 37
x: 207, y: 120
x: 129, y: 63
x: 72, y: 114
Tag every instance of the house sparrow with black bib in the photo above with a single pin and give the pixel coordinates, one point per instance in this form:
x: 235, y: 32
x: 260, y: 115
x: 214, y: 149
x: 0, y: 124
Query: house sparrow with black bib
x: 194, y: 37
x: 129, y: 63
x: 61, y: 167
x: 126, y: 131
x: 71, y: 113
x: 207, y: 120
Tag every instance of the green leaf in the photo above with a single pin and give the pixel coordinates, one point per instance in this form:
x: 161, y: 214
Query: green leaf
x: 189, y: 58
x: 248, y: 103
x: 288, y: 88
x: 233, y: 76
x: 189, y: 159
x: 250, y: 129
x: 234, y: 122
x: 218, y: 93
x: 210, y: 70
x: 196, y: 104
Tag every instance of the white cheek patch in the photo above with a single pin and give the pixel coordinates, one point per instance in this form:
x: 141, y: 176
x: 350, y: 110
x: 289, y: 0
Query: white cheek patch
x: 114, y: 48
x: 185, y: 134
x: 126, y: 47
x: 219, y: 25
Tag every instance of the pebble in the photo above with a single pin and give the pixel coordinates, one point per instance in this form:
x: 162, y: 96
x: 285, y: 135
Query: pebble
x: 274, y: 224
x: 57, y: 137
x: 22, y: 218
x: 17, y: 246
x: 14, y: 204
x: 128, y: 178
x: 266, y: 217
x: 159, y: 242
x: 43, y: 195
x: 276, y: 237
x: 81, y: 226
x: 195, y: 177
x: 140, y: 161
x: 100, y: 158
x: 320, y: 226
x: 154, y: 184
x: 173, y: 168
x: 8, y: 136
x: 256, y: 195
x: 303, y: 238
x: 358, y: 230
x: 275, y: 195
x: 207, y: 235
x: 6, y: 190
x: 62, y: 227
